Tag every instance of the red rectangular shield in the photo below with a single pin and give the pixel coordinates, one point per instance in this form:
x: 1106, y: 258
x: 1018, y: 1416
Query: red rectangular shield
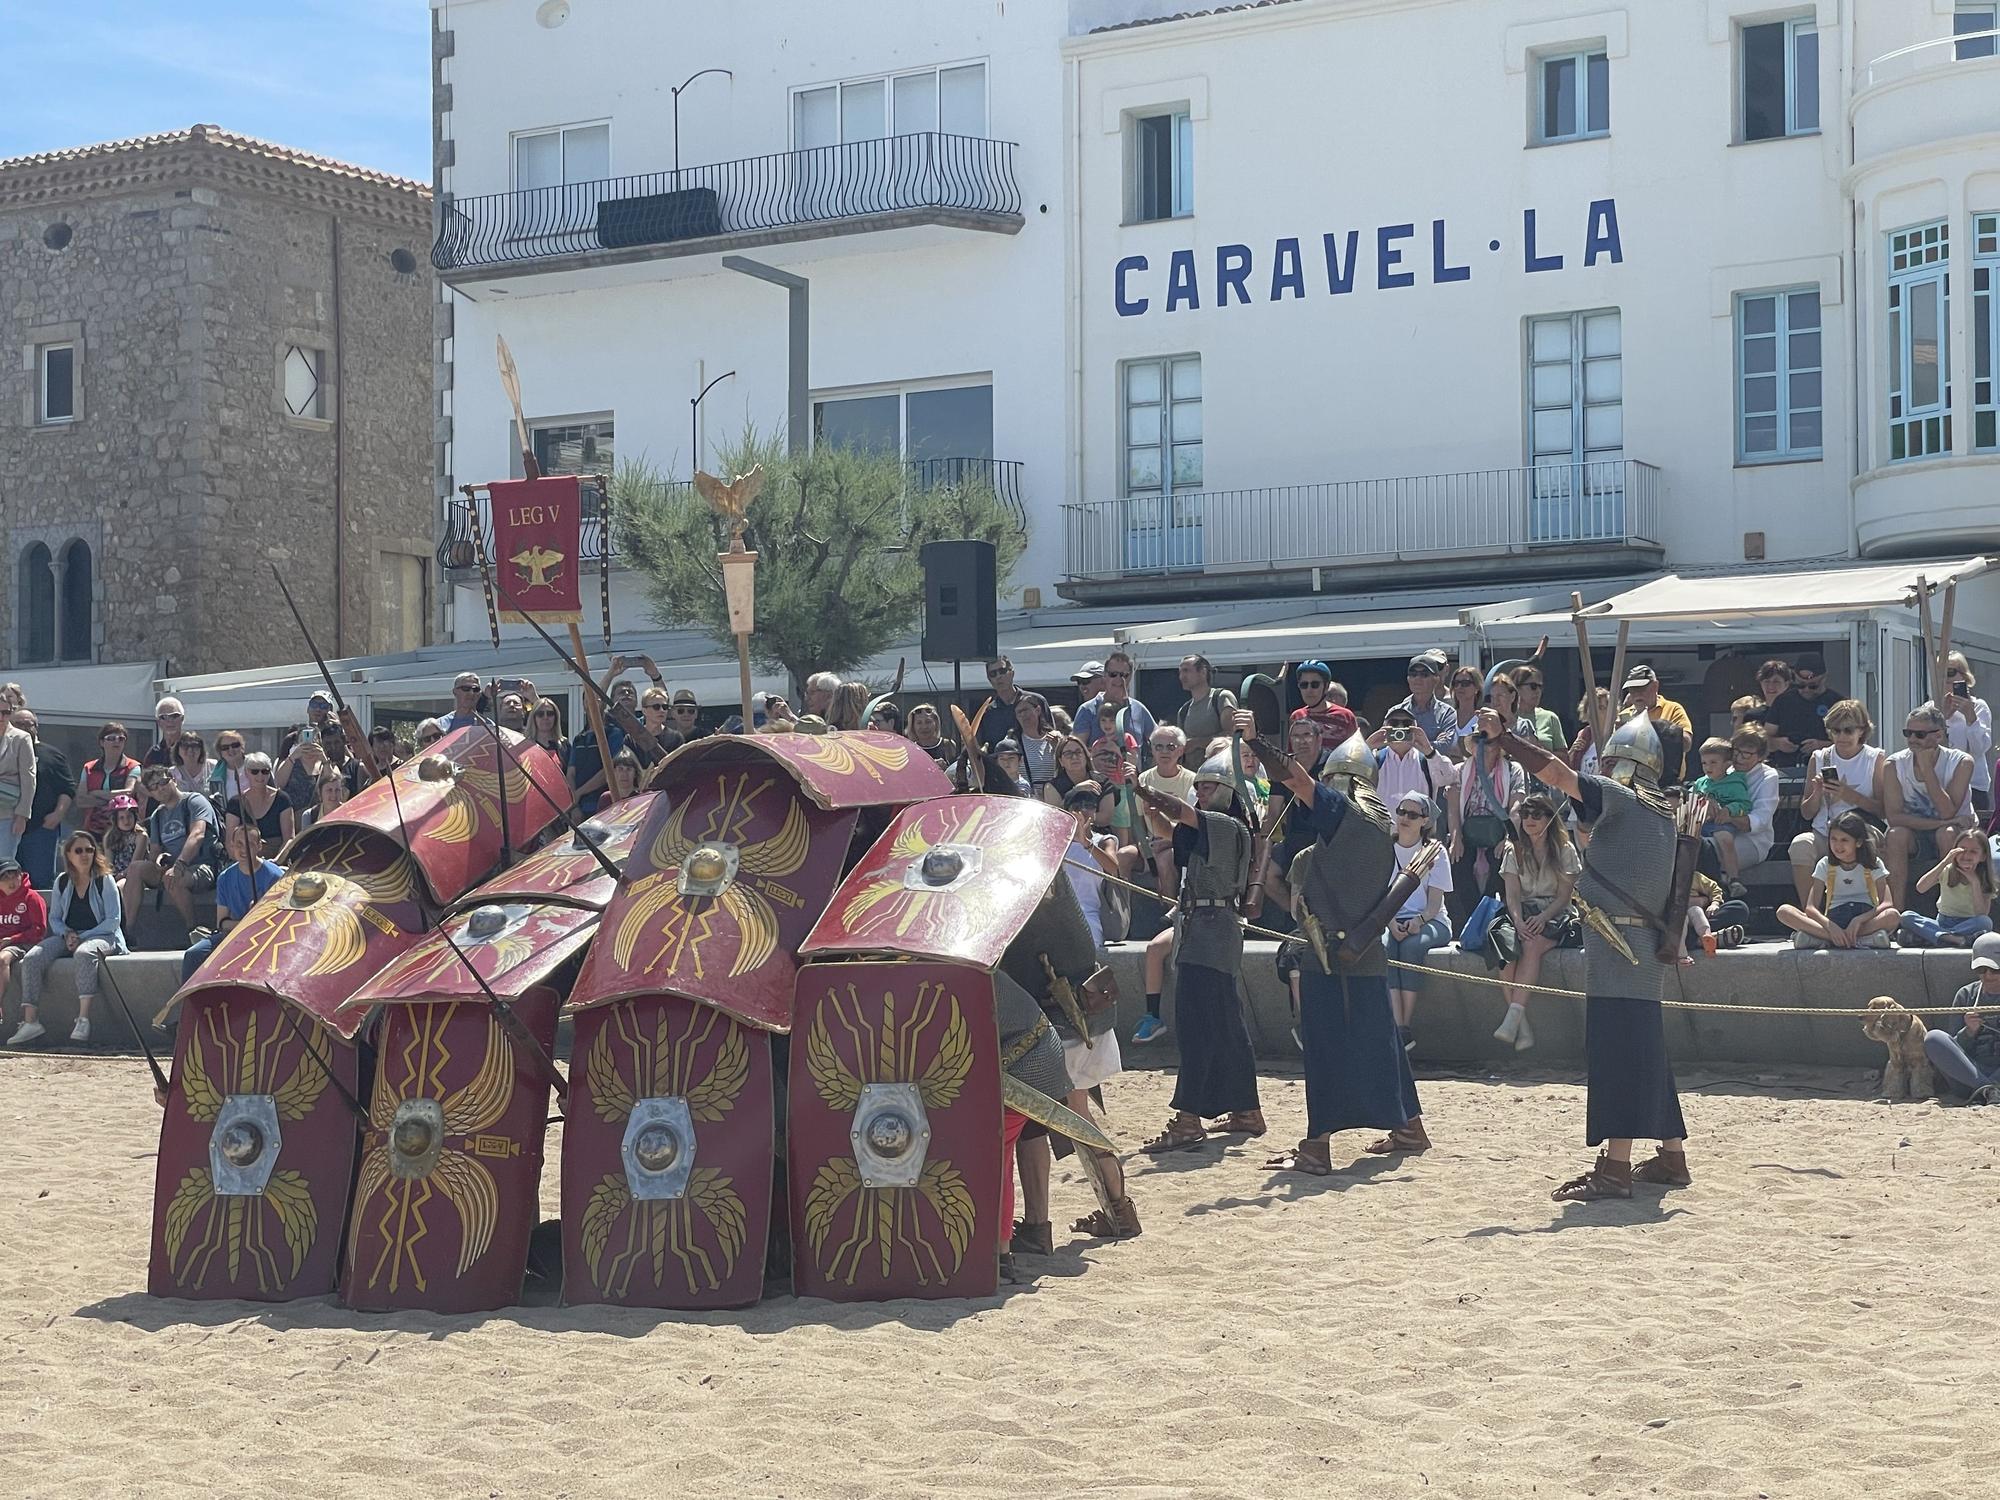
x: 537, y: 548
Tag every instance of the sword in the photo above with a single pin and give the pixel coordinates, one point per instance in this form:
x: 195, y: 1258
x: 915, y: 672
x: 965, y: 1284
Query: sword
x: 1316, y: 935
x: 1604, y: 927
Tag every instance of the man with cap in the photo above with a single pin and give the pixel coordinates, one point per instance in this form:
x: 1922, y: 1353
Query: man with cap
x: 1434, y: 715
x: 1323, y: 704
x: 1969, y: 1062
x: 685, y: 714
x: 1218, y: 1072
x: 1628, y: 878
x: 1088, y: 680
x: 1357, y: 1073
x: 464, y: 702
x: 1642, y: 689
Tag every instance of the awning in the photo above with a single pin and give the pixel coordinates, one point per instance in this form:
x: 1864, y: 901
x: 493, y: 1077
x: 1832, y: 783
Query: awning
x: 1332, y: 637
x: 120, y: 690
x: 1726, y: 597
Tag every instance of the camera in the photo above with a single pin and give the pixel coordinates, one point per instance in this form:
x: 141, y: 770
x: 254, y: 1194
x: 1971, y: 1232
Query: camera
x: 1398, y: 734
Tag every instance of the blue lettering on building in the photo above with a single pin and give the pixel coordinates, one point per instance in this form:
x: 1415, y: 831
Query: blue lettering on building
x: 1135, y: 285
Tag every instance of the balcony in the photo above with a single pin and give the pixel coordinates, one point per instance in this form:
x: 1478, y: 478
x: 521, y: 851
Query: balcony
x: 1547, y: 520
x: 1935, y: 94
x: 957, y: 181
x: 459, y: 554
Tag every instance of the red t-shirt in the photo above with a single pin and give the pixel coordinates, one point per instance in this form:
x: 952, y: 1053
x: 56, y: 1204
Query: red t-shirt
x: 1329, y: 736
x: 24, y: 918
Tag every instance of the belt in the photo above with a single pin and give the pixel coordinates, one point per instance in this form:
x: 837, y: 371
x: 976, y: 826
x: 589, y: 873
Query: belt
x: 1630, y: 922
x: 1207, y: 903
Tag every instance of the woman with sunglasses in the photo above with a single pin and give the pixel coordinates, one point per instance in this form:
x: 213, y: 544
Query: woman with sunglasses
x: 1072, y: 769
x: 227, y: 780
x: 112, y: 772
x: 85, y: 924
x: 192, y: 768
x: 887, y: 719
x: 1468, y: 689
x: 1926, y: 797
x: 264, y: 805
x: 429, y: 732
x: 545, y: 729
x: 1420, y: 925
x: 1539, y: 868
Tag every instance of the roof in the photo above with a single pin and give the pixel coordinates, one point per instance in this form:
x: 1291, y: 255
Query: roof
x: 1188, y: 15
x: 204, y: 151
x: 1766, y: 595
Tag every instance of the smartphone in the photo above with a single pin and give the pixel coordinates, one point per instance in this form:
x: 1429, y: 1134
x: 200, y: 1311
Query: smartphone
x: 308, y: 736
x: 1828, y: 773
x: 512, y: 684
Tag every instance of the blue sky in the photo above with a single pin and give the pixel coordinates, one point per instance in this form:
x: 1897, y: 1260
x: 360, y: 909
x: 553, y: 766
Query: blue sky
x: 344, y: 78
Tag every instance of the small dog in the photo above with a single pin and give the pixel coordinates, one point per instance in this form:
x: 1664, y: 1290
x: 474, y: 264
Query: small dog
x: 1907, y: 1073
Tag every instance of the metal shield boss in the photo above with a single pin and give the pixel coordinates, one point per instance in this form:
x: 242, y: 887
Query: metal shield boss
x: 668, y: 1149
x: 893, y: 1139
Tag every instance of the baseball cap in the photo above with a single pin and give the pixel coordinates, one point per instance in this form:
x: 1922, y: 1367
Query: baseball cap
x: 1986, y: 952
x: 320, y: 699
x: 10, y: 867
x: 1313, y: 666
x: 1640, y: 676
x: 1087, y: 671
x: 1810, y: 661
x: 1423, y: 664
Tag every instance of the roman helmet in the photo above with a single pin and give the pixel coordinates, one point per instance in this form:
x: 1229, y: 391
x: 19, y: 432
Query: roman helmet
x: 1215, y: 768
x: 1350, y: 759
x: 1634, y: 753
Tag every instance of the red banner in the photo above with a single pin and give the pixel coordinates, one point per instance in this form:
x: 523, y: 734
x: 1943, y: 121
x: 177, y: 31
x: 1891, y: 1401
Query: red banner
x: 537, y: 548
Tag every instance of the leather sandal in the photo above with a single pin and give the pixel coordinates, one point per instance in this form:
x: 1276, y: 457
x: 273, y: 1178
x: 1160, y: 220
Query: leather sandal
x: 1405, y: 1140
x: 1183, y: 1133
x: 1666, y: 1168
x: 1121, y: 1224
x: 1248, y: 1122
x: 1313, y: 1156
x: 1605, y: 1179
x: 1033, y: 1239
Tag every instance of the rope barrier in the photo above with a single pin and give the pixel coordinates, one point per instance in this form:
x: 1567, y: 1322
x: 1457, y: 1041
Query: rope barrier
x: 1453, y: 976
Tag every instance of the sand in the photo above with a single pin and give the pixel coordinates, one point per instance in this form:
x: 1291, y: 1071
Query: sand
x: 1813, y: 1318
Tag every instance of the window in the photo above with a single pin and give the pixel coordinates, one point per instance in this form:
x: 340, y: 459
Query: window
x: 1968, y: 23
x: 1779, y: 63
x: 35, y: 625
x: 1919, y: 342
x: 556, y: 158
x: 1778, y: 367
x: 1576, y: 97
x: 579, y: 446
x: 57, y: 384
x: 932, y: 426
x: 1162, y: 158
x: 949, y: 100
x: 75, y: 606
x: 1162, y: 476
x: 1985, y: 330
x: 302, y: 374
x: 1576, y: 426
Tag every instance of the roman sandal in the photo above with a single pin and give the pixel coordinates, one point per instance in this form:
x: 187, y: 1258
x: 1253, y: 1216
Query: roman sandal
x: 1240, y: 1122
x: 1312, y: 1156
x: 1404, y: 1140
x: 1605, y: 1179
x: 1183, y: 1133
x: 1667, y: 1169
x: 1122, y: 1223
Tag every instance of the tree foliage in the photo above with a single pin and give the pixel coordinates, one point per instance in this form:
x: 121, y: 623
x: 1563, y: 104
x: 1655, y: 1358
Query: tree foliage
x: 837, y: 535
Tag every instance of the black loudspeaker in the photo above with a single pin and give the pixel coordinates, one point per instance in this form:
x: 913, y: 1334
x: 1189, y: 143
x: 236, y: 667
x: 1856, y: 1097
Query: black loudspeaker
x: 961, y: 607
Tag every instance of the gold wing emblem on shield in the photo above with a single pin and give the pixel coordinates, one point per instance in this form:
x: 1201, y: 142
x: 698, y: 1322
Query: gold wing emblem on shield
x: 843, y: 755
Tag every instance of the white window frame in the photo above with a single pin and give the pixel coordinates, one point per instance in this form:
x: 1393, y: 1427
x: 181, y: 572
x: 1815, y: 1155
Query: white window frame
x: 888, y: 82
x: 1579, y: 402
x: 1579, y: 58
x: 1180, y: 163
x: 561, y: 132
x: 1924, y: 253
x: 1795, y: 27
x: 1168, y: 441
x: 1986, y: 333
x: 1982, y: 10
x: 1781, y: 372
x: 42, y: 353
x: 902, y: 391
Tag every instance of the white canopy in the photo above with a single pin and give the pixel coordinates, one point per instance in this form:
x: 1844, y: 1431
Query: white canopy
x: 1725, y: 597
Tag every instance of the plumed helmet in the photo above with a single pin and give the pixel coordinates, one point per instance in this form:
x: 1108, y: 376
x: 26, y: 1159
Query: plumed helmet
x: 1215, y: 768
x: 1351, y: 757
x: 1634, y: 750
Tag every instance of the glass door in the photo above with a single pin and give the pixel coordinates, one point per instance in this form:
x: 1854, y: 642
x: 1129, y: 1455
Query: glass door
x: 1576, y: 428
x: 1163, y: 463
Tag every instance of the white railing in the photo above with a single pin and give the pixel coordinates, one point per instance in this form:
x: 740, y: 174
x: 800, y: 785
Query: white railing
x: 1918, y: 56
x: 1358, y: 521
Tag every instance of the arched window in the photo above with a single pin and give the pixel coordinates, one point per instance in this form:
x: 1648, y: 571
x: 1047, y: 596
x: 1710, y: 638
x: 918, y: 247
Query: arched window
x: 36, y: 624
x: 73, y: 612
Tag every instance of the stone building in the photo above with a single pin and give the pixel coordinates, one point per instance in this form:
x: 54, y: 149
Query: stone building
x: 224, y: 362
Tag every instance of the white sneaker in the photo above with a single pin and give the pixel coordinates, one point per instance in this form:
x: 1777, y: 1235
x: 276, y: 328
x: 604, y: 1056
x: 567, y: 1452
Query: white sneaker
x: 1524, y: 1036
x: 29, y: 1031
x: 80, y: 1032
x: 1510, y: 1028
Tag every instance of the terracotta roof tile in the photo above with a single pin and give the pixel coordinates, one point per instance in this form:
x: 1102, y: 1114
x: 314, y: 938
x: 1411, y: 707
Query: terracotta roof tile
x: 214, y: 135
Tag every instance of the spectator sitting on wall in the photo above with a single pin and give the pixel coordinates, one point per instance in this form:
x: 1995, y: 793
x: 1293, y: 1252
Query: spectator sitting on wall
x: 1848, y: 904
x: 265, y: 806
x: 1791, y: 725
x: 1209, y: 709
x: 124, y: 842
x: 84, y: 925
x: 1968, y: 726
x: 1845, y: 776
x: 926, y: 732
x: 1117, y: 696
x: 227, y: 779
x: 1434, y: 715
x: 1642, y: 686
x: 112, y: 772
x: 1926, y: 797
x: 1969, y: 1062
x: 236, y: 890
x: 178, y: 829
x: 169, y: 718
x: 55, y: 789
x: 1963, y: 880
x: 24, y: 919
x: 17, y: 786
x: 1728, y: 800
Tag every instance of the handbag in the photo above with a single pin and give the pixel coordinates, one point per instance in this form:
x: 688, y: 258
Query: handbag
x: 1483, y: 831
x: 1472, y: 936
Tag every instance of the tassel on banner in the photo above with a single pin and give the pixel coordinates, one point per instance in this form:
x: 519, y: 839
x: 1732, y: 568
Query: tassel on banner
x: 604, y: 555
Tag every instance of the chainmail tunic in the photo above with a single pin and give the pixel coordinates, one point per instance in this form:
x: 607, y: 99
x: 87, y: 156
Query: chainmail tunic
x: 1635, y: 847
x: 1211, y: 935
x: 1349, y: 873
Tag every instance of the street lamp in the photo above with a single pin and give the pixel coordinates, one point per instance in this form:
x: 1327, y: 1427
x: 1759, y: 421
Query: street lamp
x: 677, y: 115
x: 798, y: 298
x: 694, y: 418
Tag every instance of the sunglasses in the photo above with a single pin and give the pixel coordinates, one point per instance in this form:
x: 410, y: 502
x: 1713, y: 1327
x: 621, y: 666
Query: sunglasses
x: 257, y: 771
x: 429, y: 739
x: 1119, y: 676
x: 1003, y: 672
x: 1409, y: 815
x: 175, y: 718
x: 690, y: 708
x: 1536, y: 813
x: 1311, y: 685
x: 111, y: 738
x: 545, y: 713
x: 1421, y: 672
x: 225, y: 749
x: 1159, y: 745
x: 1919, y: 734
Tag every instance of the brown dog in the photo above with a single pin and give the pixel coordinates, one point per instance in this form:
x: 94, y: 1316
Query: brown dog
x: 1907, y: 1073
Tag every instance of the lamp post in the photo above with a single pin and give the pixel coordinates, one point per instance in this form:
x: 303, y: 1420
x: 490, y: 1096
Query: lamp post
x: 694, y: 419
x: 677, y: 115
x: 798, y: 413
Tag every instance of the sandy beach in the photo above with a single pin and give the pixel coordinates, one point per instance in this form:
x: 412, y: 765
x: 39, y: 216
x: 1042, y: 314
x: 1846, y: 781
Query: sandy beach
x: 1811, y: 1319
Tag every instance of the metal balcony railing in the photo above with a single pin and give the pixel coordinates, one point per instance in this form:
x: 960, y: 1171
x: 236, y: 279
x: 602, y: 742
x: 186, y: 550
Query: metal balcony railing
x: 1351, y: 522
x: 1938, y: 52
x: 961, y: 173
x: 457, y: 553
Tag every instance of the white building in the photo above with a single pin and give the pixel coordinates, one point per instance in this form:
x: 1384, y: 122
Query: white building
x: 1298, y: 300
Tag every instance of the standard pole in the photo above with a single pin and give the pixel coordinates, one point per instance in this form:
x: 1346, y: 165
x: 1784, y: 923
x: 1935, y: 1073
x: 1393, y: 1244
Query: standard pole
x: 743, y: 676
x: 591, y: 709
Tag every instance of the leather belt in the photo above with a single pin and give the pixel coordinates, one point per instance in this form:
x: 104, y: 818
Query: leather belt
x: 1209, y: 903
x: 1630, y: 922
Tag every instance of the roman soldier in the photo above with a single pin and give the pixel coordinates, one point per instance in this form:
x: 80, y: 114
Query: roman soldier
x: 1218, y: 1074
x: 1627, y: 888
x: 1357, y: 1073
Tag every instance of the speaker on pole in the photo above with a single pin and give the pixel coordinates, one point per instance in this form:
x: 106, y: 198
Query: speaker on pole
x: 961, y: 605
